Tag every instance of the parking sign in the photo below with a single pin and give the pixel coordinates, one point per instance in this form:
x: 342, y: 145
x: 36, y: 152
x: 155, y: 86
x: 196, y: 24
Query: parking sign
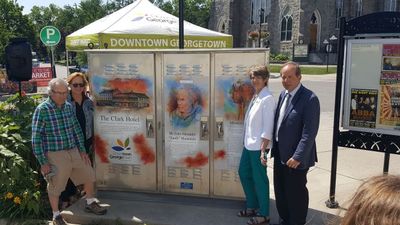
x: 50, y: 36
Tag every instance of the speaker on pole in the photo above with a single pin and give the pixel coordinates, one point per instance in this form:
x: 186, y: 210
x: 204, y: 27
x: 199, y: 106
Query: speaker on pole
x: 19, y: 60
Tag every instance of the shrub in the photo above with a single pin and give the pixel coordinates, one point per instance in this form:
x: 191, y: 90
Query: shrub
x: 22, y: 190
x: 279, y: 57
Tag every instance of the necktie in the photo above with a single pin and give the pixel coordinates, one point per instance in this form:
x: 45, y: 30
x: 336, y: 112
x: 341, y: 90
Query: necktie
x: 282, y: 111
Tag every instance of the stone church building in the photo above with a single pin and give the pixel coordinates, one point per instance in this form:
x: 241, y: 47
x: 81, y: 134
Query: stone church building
x: 286, y: 22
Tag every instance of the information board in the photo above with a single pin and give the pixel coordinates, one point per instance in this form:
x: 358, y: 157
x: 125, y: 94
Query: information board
x: 372, y: 86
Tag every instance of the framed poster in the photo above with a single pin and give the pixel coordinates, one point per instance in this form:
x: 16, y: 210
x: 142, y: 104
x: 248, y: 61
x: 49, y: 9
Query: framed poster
x: 372, y: 86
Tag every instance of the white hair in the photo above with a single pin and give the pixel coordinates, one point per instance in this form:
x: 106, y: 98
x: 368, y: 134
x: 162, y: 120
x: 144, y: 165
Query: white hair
x: 54, y: 82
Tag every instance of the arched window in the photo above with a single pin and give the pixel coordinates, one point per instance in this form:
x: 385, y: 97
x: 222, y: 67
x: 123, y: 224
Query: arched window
x: 286, y: 25
x: 339, y: 12
x: 390, y: 5
x: 222, y: 30
x: 358, y: 8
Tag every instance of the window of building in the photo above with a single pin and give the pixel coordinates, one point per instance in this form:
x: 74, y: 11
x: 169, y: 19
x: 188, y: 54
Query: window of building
x: 286, y: 25
x: 252, y: 13
x: 390, y: 5
x: 259, y: 8
x: 358, y: 8
x: 339, y: 12
x: 222, y: 30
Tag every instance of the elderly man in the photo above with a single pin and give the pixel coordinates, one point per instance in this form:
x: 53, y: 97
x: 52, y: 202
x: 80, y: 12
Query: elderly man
x: 57, y: 142
x: 294, y: 147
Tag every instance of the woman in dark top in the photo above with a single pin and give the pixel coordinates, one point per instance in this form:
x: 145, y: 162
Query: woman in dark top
x: 83, y: 107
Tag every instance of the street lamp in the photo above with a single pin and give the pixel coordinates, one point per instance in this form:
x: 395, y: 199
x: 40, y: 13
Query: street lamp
x: 328, y: 48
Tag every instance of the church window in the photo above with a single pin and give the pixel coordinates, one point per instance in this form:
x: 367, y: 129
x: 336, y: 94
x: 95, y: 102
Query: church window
x: 390, y: 5
x: 339, y: 12
x: 252, y: 14
x: 222, y: 28
x: 358, y: 8
x: 286, y: 26
x: 259, y: 10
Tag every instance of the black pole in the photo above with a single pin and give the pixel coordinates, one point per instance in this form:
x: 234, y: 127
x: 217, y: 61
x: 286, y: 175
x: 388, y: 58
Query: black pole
x: 331, y: 202
x: 259, y: 32
x: 327, y: 56
x: 293, y: 51
x: 20, y: 90
x: 386, y: 163
x: 181, y: 28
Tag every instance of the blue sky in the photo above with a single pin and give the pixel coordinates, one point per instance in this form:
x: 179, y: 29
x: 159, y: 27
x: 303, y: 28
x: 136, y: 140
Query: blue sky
x: 28, y: 4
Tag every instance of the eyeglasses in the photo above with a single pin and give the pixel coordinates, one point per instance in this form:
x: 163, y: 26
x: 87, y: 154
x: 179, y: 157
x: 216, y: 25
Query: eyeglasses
x: 60, y: 93
x: 78, y: 85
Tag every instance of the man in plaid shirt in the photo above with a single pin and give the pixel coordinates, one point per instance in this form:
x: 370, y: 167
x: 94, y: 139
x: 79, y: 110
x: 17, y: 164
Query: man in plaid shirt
x: 57, y: 141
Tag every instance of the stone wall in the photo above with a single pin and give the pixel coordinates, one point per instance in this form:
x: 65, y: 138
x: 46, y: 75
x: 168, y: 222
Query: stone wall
x: 238, y: 12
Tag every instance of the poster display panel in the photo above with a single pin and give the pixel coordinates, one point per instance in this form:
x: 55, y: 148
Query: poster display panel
x: 186, y: 122
x: 233, y: 93
x: 372, y: 86
x: 123, y: 91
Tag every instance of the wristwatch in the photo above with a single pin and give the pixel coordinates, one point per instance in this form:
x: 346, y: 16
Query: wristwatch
x: 266, y: 151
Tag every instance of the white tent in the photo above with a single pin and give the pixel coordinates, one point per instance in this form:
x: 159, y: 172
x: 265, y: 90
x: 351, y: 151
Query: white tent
x: 142, y: 25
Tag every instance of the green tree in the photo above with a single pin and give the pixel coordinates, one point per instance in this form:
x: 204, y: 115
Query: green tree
x: 41, y: 17
x: 13, y: 24
x: 196, y: 11
x: 116, y: 5
x: 90, y: 11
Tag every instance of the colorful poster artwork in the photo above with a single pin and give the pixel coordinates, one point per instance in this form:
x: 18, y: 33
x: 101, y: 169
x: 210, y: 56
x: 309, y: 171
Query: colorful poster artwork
x: 124, y: 93
x: 391, y: 63
x: 363, y: 108
x: 122, y: 105
x: 234, y: 94
x: 390, y: 103
x: 391, y: 57
x: 185, y: 103
x: 391, y: 50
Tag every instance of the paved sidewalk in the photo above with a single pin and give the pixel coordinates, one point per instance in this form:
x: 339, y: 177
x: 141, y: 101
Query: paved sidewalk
x: 353, y: 167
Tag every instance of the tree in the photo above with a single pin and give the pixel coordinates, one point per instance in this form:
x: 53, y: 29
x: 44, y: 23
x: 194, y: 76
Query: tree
x: 13, y: 24
x: 90, y: 11
x: 116, y: 5
x: 196, y: 11
x: 41, y: 17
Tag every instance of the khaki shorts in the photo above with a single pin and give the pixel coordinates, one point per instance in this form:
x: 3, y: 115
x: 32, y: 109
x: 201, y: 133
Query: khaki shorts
x: 69, y: 164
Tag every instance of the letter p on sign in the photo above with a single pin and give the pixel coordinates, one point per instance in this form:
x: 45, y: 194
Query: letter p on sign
x: 50, y: 36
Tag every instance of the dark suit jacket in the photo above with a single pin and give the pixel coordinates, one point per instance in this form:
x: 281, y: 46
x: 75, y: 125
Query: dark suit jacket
x: 299, y: 128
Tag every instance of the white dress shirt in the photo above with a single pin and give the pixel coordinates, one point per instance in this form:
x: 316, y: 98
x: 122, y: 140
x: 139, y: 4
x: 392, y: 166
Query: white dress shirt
x: 259, y: 120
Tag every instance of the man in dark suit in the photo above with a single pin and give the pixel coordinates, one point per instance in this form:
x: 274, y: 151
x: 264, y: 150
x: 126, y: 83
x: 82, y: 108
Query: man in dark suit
x: 294, y: 149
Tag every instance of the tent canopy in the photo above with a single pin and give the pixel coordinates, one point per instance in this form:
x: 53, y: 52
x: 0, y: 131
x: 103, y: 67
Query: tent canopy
x: 142, y: 25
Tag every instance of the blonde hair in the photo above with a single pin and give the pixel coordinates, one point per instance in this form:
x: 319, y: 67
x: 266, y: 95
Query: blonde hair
x: 72, y: 76
x: 376, y: 202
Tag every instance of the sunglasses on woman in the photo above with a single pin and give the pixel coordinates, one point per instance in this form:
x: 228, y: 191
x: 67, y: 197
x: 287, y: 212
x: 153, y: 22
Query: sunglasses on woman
x: 78, y: 85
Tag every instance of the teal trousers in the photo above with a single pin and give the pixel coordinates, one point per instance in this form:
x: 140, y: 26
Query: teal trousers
x: 255, y: 183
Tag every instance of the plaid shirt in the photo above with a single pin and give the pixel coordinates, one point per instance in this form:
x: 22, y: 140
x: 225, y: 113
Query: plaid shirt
x: 55, y: 129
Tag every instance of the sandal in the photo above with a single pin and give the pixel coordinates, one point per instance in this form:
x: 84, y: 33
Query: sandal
x: 258, y: 220
x: 247, y: 213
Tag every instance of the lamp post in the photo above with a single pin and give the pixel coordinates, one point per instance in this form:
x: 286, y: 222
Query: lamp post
x: 261, y: 11
x: 328, y: 49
